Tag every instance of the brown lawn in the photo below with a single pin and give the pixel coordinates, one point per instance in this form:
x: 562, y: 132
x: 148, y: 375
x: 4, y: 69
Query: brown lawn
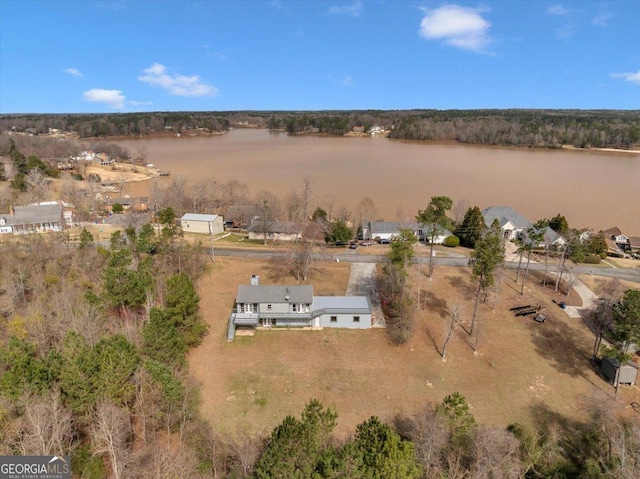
x: 523, y: 367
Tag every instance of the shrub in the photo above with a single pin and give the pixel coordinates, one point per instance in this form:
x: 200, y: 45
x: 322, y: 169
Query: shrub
x: 451, y: 241
x: 592, y: 259
x: 117, y: 208
x: 603, y: 255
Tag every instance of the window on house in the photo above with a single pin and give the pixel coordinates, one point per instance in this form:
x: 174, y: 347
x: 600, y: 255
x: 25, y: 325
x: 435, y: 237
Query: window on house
x: 334, y: 319
x: 268, y: 306
x: 294, y: 307
x: 356, y: 319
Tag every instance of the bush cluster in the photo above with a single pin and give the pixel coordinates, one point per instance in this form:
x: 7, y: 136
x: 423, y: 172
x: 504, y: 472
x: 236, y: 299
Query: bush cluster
x: 592, y: 259
x: 451, y: 241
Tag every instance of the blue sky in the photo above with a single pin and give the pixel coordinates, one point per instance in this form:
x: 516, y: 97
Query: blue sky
x: 128, y: 55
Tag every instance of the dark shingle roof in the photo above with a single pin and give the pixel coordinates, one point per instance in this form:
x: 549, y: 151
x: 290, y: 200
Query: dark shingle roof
x: 391, y: 227
x: 28, y: 215
x: 275, y: 294
x: 504, y: 214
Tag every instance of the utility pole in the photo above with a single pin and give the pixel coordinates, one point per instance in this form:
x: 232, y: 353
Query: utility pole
x: 560, y: 267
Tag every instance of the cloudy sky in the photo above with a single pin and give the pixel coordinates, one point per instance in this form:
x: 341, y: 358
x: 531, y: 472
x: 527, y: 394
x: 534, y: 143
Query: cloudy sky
x: 144, y: 55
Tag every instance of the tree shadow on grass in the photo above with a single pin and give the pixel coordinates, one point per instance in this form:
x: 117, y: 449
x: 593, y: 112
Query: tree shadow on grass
x: 461, y: 285
x: 435, y: 304
x: 555, y: 341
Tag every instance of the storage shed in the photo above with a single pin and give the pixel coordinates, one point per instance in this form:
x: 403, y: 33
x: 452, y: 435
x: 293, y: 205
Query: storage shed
x: 628, y: 371
x: 203, y: 224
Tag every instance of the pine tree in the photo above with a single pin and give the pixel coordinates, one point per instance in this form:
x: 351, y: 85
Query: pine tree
x: 472, y: 227
x: 434, y: 216
x: 486, y: 257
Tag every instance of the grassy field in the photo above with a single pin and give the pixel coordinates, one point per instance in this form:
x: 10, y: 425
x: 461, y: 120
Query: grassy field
x: 523, y: 368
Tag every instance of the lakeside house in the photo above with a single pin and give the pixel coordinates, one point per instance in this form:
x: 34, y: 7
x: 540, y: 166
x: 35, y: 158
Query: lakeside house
x: 240, y: 216
x: 294, y: 306
x: 36, y: 218
x: 621, y: 240
x: 511, y: 222
x: 275, y: 230
x: 388, y: 230
x: 203, y: 224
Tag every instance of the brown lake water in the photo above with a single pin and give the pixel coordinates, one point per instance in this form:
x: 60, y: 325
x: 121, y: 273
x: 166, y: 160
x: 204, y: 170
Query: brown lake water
x: 592, y: 189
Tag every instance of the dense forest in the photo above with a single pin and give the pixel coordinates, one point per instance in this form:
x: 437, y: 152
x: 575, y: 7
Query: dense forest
x: 515, y: 127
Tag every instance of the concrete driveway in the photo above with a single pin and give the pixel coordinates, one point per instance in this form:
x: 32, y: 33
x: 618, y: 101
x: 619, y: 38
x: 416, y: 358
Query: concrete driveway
x: 362, y: 282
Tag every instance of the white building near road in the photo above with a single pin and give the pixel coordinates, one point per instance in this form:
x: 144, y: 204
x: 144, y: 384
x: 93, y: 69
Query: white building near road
x: 203, y: 224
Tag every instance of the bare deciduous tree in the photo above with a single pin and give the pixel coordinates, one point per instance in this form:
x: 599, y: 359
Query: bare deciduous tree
x: 497, y: 455
x: 47, y: 426
x: 455, y: 318
x: 110, y: 434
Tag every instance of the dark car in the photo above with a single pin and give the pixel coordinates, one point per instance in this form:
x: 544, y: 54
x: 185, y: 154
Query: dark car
x: 353, y: 245
x: 385, y: 241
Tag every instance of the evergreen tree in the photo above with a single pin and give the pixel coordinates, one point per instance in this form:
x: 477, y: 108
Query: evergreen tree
x: 182, y: 302
x: 626, y: 320
x: 401, y: 252
x: 384, y: 454
x: 339, y: 233
x: 21, y: 370
x: 86, y: 238
x: 472, y: 228
x: 125, y: 284
x: 296, y: 448
x: 486, y: 257
x: 435, y: 215
x: 162, y: 340
x: 559, y: 224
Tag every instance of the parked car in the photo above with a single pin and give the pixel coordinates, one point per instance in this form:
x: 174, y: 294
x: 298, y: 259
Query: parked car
x: 353, y: 245
x: 385, y: 241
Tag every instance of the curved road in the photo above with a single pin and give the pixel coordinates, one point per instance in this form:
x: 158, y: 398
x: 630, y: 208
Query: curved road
x: 353, y: 257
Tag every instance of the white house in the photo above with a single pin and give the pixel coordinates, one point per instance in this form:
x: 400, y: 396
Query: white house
x: 511, y: 222
x: 275, y: 230
x: 204, y: 224
x: 388, y: 230
x: 33, y: 219
x: 294, y: 306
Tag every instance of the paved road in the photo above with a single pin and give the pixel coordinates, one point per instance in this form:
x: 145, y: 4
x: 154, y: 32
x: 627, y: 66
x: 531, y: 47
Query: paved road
x: 353, y: 257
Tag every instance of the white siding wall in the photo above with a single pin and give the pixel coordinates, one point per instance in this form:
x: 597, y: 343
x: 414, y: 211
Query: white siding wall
x: 345, y: 321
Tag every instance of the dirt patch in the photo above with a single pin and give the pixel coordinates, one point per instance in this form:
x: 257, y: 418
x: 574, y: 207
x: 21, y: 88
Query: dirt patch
x: 251, y: 384
x: 121, y: 172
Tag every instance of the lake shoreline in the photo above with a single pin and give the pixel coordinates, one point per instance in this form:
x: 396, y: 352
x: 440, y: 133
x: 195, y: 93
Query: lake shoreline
x: 192, y: 135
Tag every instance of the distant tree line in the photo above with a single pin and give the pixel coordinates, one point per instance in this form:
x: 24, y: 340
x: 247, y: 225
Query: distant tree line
x: 529, y: 128
x: 515, y: 127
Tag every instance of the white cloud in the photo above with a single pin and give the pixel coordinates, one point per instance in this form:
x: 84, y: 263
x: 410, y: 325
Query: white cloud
x: 632, y: 77
x: 140, y: 103
x: 73, y: 71
x: 114, y: 98
x: 176, y: 84
x: 220, y: 56
x: 558, y: 10
x: 602, y: 19
x: 344, y: 80
x: 457, y: 26
x: 277, y: 4
x: 355, y: 9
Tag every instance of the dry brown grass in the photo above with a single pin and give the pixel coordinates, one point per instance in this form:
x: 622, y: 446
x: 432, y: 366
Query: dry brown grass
x: 523, y: 368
